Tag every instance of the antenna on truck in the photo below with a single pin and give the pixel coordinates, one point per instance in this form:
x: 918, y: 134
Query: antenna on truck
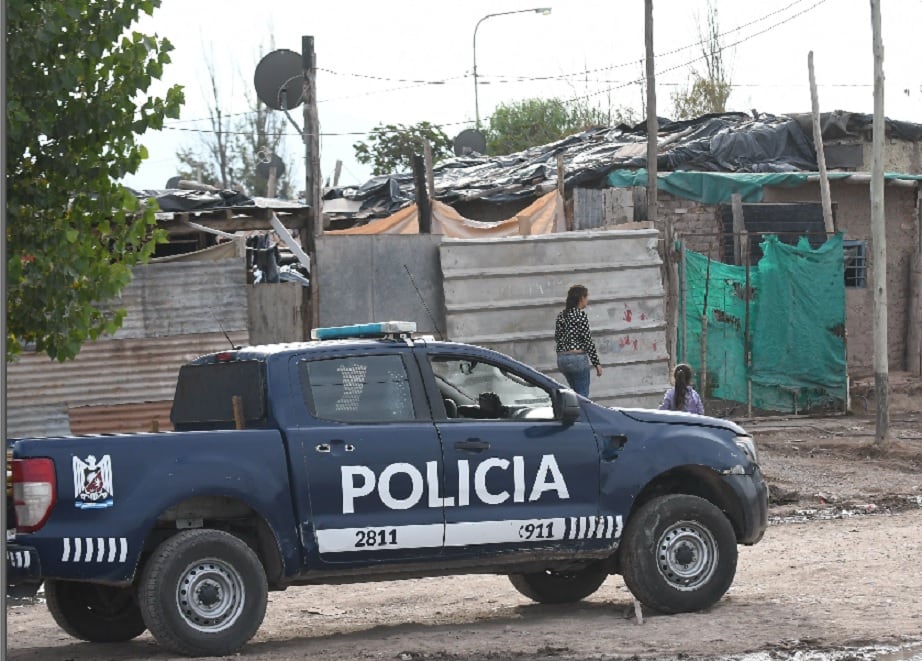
x: 423, y: 301
x: 221, y: 326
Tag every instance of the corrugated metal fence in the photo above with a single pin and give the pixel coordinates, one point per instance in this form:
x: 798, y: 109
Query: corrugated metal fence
x: 174, y: 312
x: 505, y: 294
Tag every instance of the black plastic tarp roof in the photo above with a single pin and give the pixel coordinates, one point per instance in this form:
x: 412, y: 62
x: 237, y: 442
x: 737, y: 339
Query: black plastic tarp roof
x: 726, y: 142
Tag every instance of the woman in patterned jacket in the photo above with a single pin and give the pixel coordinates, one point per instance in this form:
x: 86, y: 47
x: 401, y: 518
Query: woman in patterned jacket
x: 575, y: 349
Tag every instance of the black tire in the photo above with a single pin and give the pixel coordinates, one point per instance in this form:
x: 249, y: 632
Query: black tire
x: 203, y: 593
x: 678, y: 554
x: 92, y: 612
x: 559, y: 587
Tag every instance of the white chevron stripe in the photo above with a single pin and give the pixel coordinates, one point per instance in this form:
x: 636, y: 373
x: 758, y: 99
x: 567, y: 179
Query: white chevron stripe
x: 89, y: 549
x: 124, y: 549
x: 66, y: 556
x: 112, y: 549
x: 100, y: 549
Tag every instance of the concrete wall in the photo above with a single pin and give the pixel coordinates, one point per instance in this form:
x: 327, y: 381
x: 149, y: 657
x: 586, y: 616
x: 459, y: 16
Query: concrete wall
x: 378, y: 278
x: 505, y: 294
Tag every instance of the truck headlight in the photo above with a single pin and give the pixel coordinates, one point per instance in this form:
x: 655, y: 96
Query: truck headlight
x: 748, y: 446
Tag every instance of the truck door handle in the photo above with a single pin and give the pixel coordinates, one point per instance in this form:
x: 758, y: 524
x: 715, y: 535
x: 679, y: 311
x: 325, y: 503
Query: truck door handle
x: 322, y: 447
x: 473, y: 444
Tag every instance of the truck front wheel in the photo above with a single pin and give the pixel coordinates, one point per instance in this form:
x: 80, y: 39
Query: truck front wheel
x: 678, y: 554
x: 559, y: 587
x: 203, y: 593
x: 96, y: 613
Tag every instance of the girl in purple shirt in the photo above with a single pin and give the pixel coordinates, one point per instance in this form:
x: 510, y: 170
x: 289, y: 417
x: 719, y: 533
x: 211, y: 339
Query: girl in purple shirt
x: 682, y: 397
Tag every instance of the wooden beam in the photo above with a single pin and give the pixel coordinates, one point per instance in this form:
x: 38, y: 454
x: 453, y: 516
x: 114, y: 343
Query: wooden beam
x: 820, y: 154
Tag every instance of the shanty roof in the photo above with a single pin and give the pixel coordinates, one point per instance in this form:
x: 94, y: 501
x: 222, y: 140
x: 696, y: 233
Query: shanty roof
x: 726, y: 142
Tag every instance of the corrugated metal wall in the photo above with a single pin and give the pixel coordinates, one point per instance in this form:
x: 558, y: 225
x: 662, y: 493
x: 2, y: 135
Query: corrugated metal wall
x: 174, y: 312
x: 184, y: 298
x: 505, y: 294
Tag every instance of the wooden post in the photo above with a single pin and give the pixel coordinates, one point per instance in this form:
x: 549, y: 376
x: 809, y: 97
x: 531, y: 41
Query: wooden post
x: 154, y: 425
x: 652, y: 123
x: 703, y: 371
x: 423, y: 209
x: 562, y: 192
x: 273, y: 181
x: 747, y: 344
x: 313, y: 191
x: 683, y: 277
x: 337, y: 170
x: 703, y: 380
x: 820, y: 153
x: 879, y: 238
x: 430, y: 175
x: 739, y: 226
x: 239, y: 419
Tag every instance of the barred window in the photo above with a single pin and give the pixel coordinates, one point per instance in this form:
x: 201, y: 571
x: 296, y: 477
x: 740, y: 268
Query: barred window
x: 856, y: 263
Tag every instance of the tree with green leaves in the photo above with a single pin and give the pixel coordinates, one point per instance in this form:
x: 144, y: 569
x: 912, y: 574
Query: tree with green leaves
x: 532, y: 122
x: 229, y: 154
x: 390, y: 148
x: 76, y: 82
x: 707, y: 92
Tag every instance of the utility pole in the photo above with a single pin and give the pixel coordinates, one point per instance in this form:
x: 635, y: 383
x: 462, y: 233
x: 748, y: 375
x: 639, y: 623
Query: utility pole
x: 313, y: 186
x: 652, y: 124
x: 879, y: 238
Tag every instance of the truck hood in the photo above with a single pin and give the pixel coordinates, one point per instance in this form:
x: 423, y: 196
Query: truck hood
x: 681, y: 418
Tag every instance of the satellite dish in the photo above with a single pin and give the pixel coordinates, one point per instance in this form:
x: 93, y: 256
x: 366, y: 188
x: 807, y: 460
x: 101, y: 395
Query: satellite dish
x: 279, y: 79
x: 262, y: 168
x: 470, y: 141
x: 173, y: 182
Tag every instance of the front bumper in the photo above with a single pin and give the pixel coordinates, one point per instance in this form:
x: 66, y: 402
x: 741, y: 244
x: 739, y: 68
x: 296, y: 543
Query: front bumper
x: 23, y: 570
x: 751, y: 516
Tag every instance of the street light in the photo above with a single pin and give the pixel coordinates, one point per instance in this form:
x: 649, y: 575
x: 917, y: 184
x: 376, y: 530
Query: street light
x: 544, y: 11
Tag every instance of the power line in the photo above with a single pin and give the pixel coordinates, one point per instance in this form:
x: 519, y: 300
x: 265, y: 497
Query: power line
x: 611, y: 88
x: 507, y: 79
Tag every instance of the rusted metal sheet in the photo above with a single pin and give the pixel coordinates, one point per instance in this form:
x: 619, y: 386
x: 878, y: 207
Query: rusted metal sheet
x: 40, y: 392
x: 505, y: 294
x: 121, y: 418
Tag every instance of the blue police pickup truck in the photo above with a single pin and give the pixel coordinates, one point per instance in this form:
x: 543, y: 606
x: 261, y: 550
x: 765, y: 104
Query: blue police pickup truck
x: 369, y: 454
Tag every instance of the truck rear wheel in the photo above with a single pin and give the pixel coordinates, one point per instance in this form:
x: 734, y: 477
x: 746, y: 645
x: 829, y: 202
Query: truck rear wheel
x: 92, y: 612
x: 203, y: 593
x: 678, y: 554
x: 559, y: 587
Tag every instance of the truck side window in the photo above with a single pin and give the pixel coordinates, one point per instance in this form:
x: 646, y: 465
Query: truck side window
x: 484, y: 391
x: 358, y: 389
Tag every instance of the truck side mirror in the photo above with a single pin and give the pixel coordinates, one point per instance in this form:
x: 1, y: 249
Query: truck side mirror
x: 567, y: 405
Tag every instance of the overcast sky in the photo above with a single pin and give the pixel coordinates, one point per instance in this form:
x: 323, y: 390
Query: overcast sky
x: 405, y: 61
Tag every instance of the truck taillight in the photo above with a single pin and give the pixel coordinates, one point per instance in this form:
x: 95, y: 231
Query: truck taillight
x: 34, y: 492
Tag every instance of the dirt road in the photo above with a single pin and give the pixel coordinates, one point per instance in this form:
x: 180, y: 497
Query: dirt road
x: 841, y: 565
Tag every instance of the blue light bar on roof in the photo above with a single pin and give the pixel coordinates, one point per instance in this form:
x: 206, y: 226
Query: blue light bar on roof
x: 377, y: 329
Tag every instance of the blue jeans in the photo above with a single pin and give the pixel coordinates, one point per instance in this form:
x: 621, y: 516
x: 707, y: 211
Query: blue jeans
x: 575, y: 369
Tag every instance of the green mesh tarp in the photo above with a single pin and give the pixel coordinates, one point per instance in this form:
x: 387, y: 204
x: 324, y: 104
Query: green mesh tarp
x: 719, y: 187
x: 796, y: 325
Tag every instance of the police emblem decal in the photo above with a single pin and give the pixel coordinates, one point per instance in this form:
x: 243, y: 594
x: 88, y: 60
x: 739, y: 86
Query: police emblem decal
x: 93, y: 483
